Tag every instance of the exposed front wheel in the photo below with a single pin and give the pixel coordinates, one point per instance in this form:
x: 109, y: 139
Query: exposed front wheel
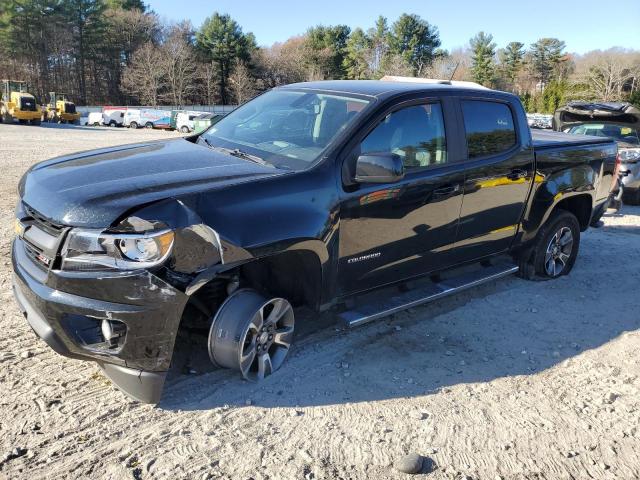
x: 133, y: 125
x: 556, y: 247
x: 251, y: 333
x: 148, y: 125
x: 184, y: 129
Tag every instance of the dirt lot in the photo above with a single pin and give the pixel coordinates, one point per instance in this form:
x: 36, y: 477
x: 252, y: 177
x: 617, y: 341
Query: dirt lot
x: 512, y: 380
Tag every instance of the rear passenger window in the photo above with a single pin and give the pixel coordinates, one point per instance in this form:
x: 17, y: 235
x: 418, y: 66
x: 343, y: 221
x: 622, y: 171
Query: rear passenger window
x: 489, y: 128
x: 415, y: 133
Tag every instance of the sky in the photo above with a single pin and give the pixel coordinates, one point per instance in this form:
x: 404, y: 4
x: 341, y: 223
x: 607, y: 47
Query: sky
x: 576, y: 22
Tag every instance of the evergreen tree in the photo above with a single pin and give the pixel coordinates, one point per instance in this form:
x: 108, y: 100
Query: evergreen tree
x: 546, y: 56
x: 379, y: 39
x: 222, y: 41
x: 415, y: 40
x: 357, y: 49
x: 512, y: 59
x: 482, y: 60
x: 325, y: 49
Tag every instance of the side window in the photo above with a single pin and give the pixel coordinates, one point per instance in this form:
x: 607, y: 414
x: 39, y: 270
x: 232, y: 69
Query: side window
x: 489, y: 127
x: 415, y: 133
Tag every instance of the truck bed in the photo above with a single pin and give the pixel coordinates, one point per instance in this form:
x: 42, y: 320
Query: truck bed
x: 544, y: 139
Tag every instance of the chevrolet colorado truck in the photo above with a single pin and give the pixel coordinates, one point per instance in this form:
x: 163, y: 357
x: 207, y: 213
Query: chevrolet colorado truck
x: 366, y: 197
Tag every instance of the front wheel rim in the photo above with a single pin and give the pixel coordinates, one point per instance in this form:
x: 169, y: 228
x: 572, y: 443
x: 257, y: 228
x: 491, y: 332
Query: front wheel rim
x: 558, y: 252
x: 252, y: 334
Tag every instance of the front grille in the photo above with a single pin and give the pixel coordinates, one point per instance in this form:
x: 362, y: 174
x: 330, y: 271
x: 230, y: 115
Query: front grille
x: 36, y: 255
x: 42, y: 249
x: 42, y: 222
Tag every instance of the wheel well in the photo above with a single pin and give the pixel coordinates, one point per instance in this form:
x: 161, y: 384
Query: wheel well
x: 294, y: 275
x: 580, y: 206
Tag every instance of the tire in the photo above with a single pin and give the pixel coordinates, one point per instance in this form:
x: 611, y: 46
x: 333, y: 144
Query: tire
x: 251, y: 333
x: 631, y: 197
x: 555, y: 249
x: 148, y: 125
x: 133, y: 125
x: 112, y: 123
x: 96, y: 124
x: 184, y: 129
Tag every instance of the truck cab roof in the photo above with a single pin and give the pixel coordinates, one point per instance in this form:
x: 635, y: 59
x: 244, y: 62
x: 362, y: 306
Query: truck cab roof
x: 386, y: 88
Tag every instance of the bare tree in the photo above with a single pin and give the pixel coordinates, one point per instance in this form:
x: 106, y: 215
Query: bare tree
x: 607, y: 74
x: 242, y: 83
x: 144, y: 77
x: 281, y: 63
x: 179, y: 65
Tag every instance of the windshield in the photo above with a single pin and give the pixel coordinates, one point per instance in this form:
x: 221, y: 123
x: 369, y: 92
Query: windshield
x: 619, y: 133
x: 286, y: 128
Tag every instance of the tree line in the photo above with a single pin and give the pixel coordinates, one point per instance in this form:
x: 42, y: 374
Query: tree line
x: 120, y: 52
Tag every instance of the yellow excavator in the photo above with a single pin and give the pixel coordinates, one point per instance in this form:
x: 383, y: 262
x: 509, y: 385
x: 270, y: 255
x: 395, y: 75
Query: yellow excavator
x: 60, y: 109
x: 17, y: 104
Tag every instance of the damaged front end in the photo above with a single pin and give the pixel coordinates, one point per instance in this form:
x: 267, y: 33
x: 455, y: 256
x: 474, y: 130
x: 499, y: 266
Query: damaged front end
x: 117, y: 295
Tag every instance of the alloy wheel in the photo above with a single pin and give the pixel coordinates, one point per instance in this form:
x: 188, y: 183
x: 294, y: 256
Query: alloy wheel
x: 558, y: 252
x: 252, y: 334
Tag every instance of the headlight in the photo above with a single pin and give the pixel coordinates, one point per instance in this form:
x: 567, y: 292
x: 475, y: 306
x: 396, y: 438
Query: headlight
x: 629, y: 155
x: 95, y: 250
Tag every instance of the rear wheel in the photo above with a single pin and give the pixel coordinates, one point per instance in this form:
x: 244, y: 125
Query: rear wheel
x: 112, y: 123
x: 133, y: 125
x: 148, y: 125
x: 556, y: 246
x: 251, y: 333
x: 184, y: 129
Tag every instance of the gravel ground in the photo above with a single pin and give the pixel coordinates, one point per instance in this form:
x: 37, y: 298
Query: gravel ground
x: 511, y: 380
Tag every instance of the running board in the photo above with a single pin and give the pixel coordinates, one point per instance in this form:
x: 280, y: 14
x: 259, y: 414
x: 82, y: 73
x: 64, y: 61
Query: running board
x: 413, y: 298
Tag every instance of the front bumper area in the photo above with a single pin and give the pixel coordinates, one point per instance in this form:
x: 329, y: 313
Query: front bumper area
x: 59, y: 309
x: 26, y: 115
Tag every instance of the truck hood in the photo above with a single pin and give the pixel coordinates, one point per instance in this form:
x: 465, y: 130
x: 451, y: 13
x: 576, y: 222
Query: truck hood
x: 94, y: 188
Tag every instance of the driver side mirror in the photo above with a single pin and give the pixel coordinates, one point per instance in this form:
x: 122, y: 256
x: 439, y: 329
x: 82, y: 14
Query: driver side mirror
x: 379, y: 168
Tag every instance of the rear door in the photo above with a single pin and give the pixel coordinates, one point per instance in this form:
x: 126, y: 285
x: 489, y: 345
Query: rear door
x: 499, y: 172
x: 389, y: 232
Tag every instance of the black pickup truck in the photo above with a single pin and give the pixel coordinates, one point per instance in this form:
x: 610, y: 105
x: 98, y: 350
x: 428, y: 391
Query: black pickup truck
x: 313, y: 195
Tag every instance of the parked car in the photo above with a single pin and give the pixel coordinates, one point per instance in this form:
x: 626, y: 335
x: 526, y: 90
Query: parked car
x: 619, y: 121
x: 324, y: 194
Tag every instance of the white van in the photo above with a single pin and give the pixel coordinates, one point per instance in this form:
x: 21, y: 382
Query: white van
x: 184, y: 121
x: 132, y: 118
x: 113, y: 117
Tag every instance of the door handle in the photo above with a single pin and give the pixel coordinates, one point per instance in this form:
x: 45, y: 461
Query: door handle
x: 448, y: 190
x: 517, y: 173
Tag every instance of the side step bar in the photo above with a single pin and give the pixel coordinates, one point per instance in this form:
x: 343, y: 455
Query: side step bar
x: 388, y: 306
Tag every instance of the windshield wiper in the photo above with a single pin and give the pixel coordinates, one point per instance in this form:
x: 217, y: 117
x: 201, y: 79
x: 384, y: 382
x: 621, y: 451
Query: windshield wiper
x: 236, y: 152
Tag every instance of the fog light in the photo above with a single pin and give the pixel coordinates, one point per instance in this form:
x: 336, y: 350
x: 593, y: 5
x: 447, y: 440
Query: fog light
x: 113, y: 331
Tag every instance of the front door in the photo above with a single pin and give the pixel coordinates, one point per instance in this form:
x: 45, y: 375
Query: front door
x: 499, y: 172
x: 390, y: 232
